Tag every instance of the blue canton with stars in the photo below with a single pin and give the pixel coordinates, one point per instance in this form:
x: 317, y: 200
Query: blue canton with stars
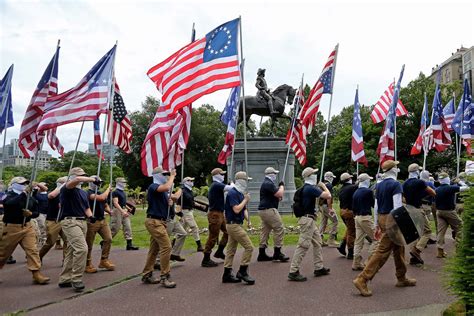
x: 437, y: 106
x: 464, y: 113
x: 326, y: 80
x: 6, y: 92
x: 229, y: 115
x: 101, y: 73
x: 356, y: 122
x: 222, y: 41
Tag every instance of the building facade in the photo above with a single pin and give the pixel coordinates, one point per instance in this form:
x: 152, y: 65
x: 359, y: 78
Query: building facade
x: 468, y: 65
x: 452, y: 68
x: 106, y: 150
x: 14, y: 157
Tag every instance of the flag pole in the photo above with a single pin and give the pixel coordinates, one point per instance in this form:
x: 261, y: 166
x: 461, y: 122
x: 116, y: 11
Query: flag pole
x: 111, y: 149
x: 395, y: 123
x: 423, y: 138
x: 460, y: 138
x: 4, y: 103
x: 329, y: 115
x: 357, y: 168
x: 456, y: 139
x: 295, y: 116
x: 230, y: 176
x: 107, y: 118
x: 243, y: 94
x: 357, y: 162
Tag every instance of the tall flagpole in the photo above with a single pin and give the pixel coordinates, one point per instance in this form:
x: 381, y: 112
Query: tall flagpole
x: 395, y: 124
x: 292, y: 126
x: 456, y: 139
x: 460, y: 138
x: 329, y: 114
x: 423, y: 138
x: 230, y: 176
x: 357, y: 162
x: 243, y: 94
x: 4, y: 103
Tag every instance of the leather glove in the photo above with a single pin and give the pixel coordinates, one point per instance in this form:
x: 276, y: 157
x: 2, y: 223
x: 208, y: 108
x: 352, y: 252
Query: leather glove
x: 92, y: 219
x: 98, y: 182
x: 281, y: 183
x: 27, y: 213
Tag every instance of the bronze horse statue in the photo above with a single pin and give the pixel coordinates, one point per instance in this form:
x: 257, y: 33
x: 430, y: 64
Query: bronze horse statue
x: 257, y: 105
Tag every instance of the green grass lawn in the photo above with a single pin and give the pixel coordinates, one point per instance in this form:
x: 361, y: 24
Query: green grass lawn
x: 141, y: 237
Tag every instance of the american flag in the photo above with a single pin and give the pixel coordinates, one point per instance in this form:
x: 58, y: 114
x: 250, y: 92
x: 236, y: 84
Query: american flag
x: 293, y: 131
x: 307, y: 115
x: 229, y: 118
x: 441, y: 136
x: 54, y: 142
x: 98, y: 139
x: 86, y: 101
x: 463, y: 122
x: 202, y: 67
x: 120, y: 127
x: 166, y: 139
x: 358, y: 153
x: 448, y: 112
x: 421, y: 141
x: 6, y: 100
x: 386, y: 147
x: 29, y: 141
x: 379, y: 113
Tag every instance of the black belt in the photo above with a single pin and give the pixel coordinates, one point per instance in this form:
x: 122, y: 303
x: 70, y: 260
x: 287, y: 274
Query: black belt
x: 100, y: 218
x: 76, y: 218
x: 309, y: 215
x: 235, y: 222
x: 155, y: 217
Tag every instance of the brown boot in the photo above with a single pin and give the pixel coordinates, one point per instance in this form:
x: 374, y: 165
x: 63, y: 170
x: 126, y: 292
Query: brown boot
x: 361, y: 285
x: 441, y: 253
x: 106, y: 264
x: 406, y: 282
x: 38, y: 278
x: 89, y: 267
x: 332, y: 243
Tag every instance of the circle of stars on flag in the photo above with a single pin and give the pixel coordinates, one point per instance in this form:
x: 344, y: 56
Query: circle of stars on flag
x: 225, y: 32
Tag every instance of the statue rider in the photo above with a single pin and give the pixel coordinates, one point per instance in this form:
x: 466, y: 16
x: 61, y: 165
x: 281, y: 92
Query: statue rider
x: 262, y: 87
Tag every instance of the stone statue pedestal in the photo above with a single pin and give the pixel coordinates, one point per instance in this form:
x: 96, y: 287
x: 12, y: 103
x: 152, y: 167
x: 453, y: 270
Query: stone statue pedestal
x: 263, y: 153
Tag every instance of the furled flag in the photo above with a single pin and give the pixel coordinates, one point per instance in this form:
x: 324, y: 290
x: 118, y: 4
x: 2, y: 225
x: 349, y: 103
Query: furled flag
x: 54, y: 142
x: 86, y: 101
x: 6, y: 100
x: 358, y: 153
x: 98, y: 139
x: 463, y: 122
x: 379, y: 113
x: 202, y: 67
x: 166, y: 139
x: 307, y: 115
x: 448, y: 112
x: 229, y: 118
x: 120, y: 127
x: 292, y: 132
x: 420, y: 143
x: 29, y: 141
x: 441, y: 137
x: 386, y: 147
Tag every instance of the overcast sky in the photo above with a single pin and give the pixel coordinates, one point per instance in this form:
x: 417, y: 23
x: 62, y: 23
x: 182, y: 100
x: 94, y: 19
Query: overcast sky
x: 285, y: 37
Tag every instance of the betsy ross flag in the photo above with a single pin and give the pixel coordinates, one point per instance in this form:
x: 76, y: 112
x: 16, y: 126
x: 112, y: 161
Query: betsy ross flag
x: 86, y: 101
x: 166, y: 139
x: 202, y: 67
x: 307, y: 116
x: 448, y: 112
x: 386, y: 147
x: 379, y: 113
x: 463, y: 122
x: 6, y: 100
x: 229, y: 118
x: 357, y: 153
x: 29, y: 141
x: 421, y: 140
x: 119, y: 126
x: 439, y: 128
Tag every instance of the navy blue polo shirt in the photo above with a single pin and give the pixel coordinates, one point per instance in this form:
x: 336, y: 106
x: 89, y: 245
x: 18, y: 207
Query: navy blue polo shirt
x: 157, y: 202
x: 308, y: 198
x: 121, y: 196
x: 99, y: 206
x: 384, y: 193
x: 2, y: 196
x: 188, y: 199
x: 234, y: 198
x: 42, y: 200
x: 345, y: 195
x: 446, y: 197
x: 74, y: 202
x: 362, y: 201
x: 53, y: 209
x: 329, y: 186
x: 267, y: 195
x: 427, y: 199
x: 414, y: 191
x: 216, y: 196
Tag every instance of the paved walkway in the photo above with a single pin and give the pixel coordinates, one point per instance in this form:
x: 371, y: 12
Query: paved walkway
x: 200, y: 291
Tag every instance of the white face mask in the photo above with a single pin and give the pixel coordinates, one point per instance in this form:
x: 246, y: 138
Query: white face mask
x: 414, y: 174
x: 364, y: 184
x: 218, y: 178
x: 159, y: 178
x: 272, y: 177
x: 329, y: 179
x: 349, y: 181
x: 241, y: 185
x: 189, y: 184
x: 18, y: 188
x: 445, y: 180
x: 312, y: 179
x: 120, y: 186
x: 92, y: 186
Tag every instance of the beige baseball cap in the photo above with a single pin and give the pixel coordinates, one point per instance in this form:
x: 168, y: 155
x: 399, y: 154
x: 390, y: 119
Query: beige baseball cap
x: 308, y: 171
x: 19, y: 180
x: 389, y: 164
x: 121, y: 180
x: 443, y: 175
x: 77, y: 171
x: 345, y: 176
x: 329, y: 174
x: 217, y: 171
x: 364, y: 177
x: 188, y: 179
x: 271, y: 170
x: 414, y: 167
x: 159, y: 169
x: 242, y: 175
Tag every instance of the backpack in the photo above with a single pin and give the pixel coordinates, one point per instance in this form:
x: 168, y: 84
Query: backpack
x: 297, y: 205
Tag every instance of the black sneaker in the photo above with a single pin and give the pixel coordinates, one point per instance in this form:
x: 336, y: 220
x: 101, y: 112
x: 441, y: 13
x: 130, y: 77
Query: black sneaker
x: 10, y: 260
x: 177, y: 258
x: 65, y: 284
x: 321, y: 272
x: 78, y: 286
x: 296, y: 276
x: 157, y: 266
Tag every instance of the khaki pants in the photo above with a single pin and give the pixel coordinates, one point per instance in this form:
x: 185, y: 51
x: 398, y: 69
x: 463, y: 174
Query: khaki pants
x: 25, y: 236
x: 271, y: 220
x: 423, y: 241
x: 445, y: 219
x: 237, y: 235
x: 159, y: 242
x: 189, y: 224
x: 174, y: 228
x: 350, y: 234
x: 41, y: 221
x: 382, y: 253
x: 53, y: 231
x: 102, y: 228
x: 217, y: 223
x: 364, y: 226
x: 117, y: 221
x: 35, y: 226
x: 460, y: 208
x: 324, y: 221
x: 309, y: 235
x: 76, y: 251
